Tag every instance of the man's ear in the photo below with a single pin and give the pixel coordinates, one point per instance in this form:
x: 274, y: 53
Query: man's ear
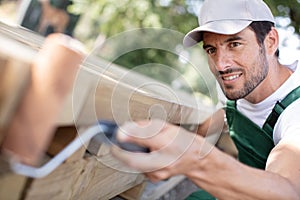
x: 272, y: 41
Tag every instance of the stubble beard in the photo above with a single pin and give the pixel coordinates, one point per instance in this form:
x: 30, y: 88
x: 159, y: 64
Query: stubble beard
x: 256, y: 77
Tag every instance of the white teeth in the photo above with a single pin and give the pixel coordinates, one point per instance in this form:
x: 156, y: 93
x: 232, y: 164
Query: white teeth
x: 230, y: 78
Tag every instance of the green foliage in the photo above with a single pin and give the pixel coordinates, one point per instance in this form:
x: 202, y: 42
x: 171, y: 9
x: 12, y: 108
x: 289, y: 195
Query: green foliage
x: 110, y: 17
x: 114, y: 16
x: 287, y: 8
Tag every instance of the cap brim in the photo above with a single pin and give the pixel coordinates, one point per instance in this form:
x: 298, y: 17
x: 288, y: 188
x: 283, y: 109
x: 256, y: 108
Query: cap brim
x: 226, y: 27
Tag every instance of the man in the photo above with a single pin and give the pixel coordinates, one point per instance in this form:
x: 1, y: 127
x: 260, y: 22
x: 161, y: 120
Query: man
x: 241, y: 44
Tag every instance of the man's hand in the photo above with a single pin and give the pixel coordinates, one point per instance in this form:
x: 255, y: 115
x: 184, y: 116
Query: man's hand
x: 173, y: 149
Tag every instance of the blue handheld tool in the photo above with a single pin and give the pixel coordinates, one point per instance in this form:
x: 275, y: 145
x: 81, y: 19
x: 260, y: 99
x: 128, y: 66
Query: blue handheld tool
x: 109, y: 134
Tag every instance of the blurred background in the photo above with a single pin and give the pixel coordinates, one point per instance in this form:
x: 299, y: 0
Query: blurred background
x: 94, y: 21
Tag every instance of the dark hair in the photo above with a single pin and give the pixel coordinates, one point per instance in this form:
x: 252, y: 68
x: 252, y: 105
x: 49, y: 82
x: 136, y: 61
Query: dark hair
x: 261, y: 29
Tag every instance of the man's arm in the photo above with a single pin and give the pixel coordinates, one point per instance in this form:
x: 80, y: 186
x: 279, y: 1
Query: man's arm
x: 216, y: 130
x: 285, y: 160
x: 176, y: 151
x: 226, y: 178
x: 214, y: 124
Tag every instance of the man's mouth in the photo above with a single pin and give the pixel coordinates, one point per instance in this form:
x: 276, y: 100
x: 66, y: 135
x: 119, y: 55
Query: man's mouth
x: 231, y: 77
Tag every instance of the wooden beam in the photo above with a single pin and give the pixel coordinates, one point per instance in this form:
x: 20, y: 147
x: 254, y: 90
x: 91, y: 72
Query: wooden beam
x: 121, y: 100
x: 12, y: 186
x: 14, y: 79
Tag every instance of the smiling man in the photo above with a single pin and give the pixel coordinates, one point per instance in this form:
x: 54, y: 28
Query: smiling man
x: 262, y: 113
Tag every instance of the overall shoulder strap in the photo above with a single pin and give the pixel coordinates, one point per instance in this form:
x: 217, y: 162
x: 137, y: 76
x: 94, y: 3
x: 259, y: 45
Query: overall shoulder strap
x: 230, y: 109
x: 252, y: 142
x: 231, y: 103
x: 279, y: 108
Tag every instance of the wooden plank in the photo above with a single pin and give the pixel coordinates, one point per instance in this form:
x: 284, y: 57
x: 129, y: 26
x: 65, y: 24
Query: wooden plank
x: 57, y: 185
x: 13, y: 83
x: 11, y: 186
x: 63, y: 136
x: 76, y: 99
x: 22, y: 35
x: 155, y: 191
x: 92, y: 177
x: 15, y: 73
x: 102, y: 182
x: 16, y: 76
x: 113, y: 99
x: 82, y: 179
x: 135, y: 192
x: 3, y: 64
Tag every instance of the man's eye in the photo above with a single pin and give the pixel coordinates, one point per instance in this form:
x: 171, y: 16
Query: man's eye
x: 234, y: 44
x: 210, y: 50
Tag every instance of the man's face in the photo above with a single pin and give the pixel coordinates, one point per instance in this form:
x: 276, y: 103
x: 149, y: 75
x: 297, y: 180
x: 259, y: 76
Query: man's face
x: 237, y: 61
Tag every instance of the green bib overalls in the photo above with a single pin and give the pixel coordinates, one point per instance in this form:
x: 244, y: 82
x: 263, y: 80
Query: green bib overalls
x: 253, y: 143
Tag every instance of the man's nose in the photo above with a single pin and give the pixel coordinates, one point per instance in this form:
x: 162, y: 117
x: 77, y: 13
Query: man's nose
x: 222, y: 61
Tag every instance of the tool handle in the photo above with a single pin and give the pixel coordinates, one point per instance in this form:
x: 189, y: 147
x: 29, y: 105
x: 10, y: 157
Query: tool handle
x: 110, y: 129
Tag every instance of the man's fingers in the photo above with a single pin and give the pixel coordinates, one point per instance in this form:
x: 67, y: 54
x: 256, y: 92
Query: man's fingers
x: 141, y: 129
x: 142, y: 162
x: 142, y: 133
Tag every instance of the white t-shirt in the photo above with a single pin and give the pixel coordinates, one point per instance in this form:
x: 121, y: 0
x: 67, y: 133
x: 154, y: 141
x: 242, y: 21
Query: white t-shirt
x: 289, y: 121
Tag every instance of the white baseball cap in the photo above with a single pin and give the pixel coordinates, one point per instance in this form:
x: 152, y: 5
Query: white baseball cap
x: 227, y: 17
